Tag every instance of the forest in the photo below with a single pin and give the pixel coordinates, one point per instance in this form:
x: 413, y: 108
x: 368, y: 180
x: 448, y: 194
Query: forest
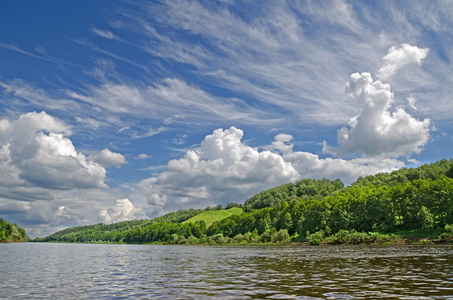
x: 377, y: 208
x: 11, y: 233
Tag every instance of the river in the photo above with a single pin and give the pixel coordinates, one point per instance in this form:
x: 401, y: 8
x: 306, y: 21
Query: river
x: 96, y: 271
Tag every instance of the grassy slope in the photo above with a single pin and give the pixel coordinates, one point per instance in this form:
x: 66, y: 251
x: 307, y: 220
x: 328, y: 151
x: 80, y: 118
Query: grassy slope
x: 214, y: 215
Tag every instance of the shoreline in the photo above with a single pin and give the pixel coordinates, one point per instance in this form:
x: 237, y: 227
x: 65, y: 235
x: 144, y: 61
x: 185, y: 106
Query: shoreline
x: 398, y: 241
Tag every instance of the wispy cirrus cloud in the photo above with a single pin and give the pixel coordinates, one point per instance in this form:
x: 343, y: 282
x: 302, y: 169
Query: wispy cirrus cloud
x: 276, y: 57
x: 170, y: 99
x: 104, y: 33
x: 149, y: 133
x: 18, y: 50
x: 110, y: 54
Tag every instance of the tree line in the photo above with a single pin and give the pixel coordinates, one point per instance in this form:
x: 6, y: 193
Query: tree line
x: 372, y: 208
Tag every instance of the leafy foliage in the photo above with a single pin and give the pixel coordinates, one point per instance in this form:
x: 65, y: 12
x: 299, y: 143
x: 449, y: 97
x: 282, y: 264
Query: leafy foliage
x: 303, y: 189
x: 11, y: 232
x: 431, y: 171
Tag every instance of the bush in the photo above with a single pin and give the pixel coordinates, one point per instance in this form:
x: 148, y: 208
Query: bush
x: 193, y: 240
x: 358, y: 237
x: 340, y: 237
x: 224, y: 240
x: 238, y: 238
x: 316, y: 238
x: 174, y: 238
x: 354, y: 237
x: 266, y: 236
x: 247, y: 236
x: 280, y: 236
x: 449, y: 227
x: 448, y: 233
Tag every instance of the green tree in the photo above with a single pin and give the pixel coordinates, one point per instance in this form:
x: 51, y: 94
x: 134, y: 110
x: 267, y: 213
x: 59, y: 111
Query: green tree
x: 426, y: 219
x: 263, y: 224
x: 287, y: 222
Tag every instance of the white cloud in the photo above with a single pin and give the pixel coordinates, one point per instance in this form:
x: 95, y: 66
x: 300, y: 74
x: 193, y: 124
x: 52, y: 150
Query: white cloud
x: 280, y: 144
x: 268, y: 56
x: 151, y: 132
x: 104, y: 33
x: 122, y: 211
x: 63, y: 212
x: 220, y: 170
x: 224, y: 170
x: 180, y: 139
x: 311, y: 166
x: 58, y: 209
x: 399, y: 56
x: 336, y: 11
x: 37, y: 154
x: 89, y: 122
x: 143, y: 156
x: 107, y: 158
x: 377, y: 131
x: 55, y: 164
x: 172, y: 100
x: 36, y: 97
x: 16, y: 49
x: 412, y: 100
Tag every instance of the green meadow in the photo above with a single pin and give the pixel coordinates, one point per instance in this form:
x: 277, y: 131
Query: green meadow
x: 210, y: 217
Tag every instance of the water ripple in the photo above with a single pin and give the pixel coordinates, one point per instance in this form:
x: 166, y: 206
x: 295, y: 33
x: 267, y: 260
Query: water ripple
x: 79, y: 271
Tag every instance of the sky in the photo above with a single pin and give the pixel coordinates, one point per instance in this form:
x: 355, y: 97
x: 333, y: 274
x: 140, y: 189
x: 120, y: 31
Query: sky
x: 122, y: 110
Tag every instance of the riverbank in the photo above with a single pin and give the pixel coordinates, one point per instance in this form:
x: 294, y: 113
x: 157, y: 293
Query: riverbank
x: 319, y: 238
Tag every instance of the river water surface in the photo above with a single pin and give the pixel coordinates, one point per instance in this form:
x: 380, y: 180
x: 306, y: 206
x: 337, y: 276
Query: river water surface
x: 95, y: 271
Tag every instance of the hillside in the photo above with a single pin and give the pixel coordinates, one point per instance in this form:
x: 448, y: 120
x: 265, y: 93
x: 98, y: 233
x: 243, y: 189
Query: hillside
x: 114, y: 232
x: 303, y: 189
x: 11, y: 233
x: 210, y: 217
x: 417, y: 200
x: 320, y: 189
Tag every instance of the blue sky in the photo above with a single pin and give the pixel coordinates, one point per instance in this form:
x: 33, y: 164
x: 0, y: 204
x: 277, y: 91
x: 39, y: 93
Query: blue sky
x: 116, y: 110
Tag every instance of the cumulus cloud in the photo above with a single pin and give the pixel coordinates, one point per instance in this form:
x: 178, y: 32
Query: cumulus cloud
x: 55, y: 164
x: 142, y: 156
x: 36, y: 153
x: 221, y: 169
x: 107, y: 158
x: 399, y: 56
x: 224, y: 169
x: 280, y: 144
x: 63, y: 212
x: 377, y: 131
x: 312, y: 166
x: 122, y: 211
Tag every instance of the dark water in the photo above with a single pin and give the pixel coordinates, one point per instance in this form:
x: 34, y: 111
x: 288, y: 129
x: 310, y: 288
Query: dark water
x: 78, y: 271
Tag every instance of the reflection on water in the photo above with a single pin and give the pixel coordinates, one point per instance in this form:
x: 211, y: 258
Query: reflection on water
x: 75, y: 271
